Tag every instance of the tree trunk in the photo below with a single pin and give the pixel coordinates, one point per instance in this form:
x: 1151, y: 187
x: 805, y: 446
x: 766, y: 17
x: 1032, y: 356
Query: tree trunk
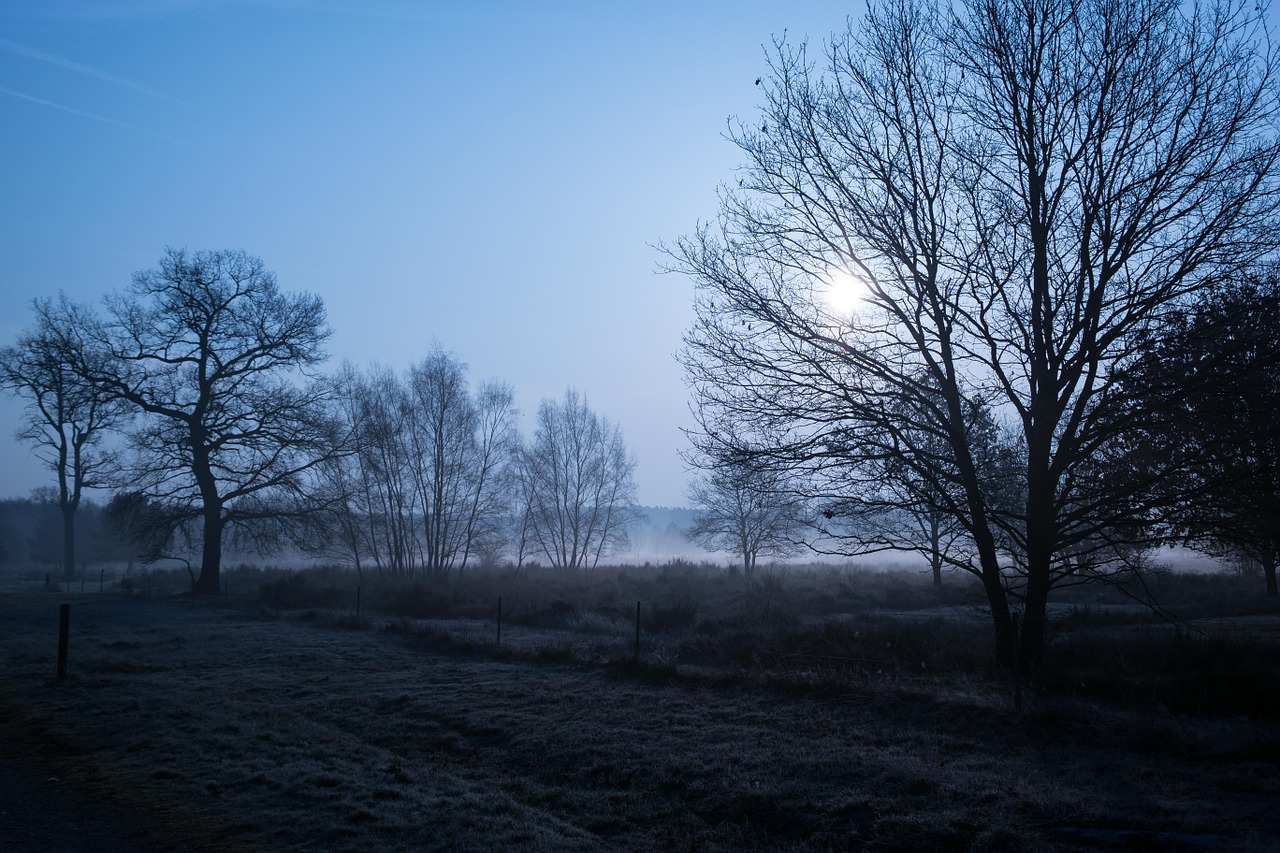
x: 1031, y: 645
x: 209, y: 582
x: 935, y: 548
x: 1000, y: 617
x: 1270, y: 557
x: 69, y: 542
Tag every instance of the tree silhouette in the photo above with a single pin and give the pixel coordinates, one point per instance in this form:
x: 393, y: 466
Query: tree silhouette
x: 1214, y: 381
x: 66, y: 416
x: 211, y: 354
x: 1024, y: 189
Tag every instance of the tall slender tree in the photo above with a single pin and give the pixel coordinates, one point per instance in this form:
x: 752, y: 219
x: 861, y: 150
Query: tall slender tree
x: 66, y: 417
x: 577, y: 481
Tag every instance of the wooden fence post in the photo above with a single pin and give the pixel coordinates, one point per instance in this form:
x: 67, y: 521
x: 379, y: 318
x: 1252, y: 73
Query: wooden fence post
x: 637, y: 652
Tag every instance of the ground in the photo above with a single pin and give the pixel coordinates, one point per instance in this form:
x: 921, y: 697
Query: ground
x: 225, y: 728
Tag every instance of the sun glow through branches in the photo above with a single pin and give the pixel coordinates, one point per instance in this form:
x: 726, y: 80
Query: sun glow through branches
x: 845, y: 293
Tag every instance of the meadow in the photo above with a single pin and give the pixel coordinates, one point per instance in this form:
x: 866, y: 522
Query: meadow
x: 801, y: 709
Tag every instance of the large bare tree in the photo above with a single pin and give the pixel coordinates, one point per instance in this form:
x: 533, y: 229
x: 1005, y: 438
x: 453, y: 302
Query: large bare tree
x: 216, y: 361
x: 66, y: 417
x: 1024, y: 189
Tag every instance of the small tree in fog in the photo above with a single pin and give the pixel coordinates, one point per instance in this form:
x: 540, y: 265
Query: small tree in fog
x: 460, y: 446
x: 426, y: 481
x: 746, y: 510
x: 368, y: 518
x: 66, y: 416
x: 576, y: 477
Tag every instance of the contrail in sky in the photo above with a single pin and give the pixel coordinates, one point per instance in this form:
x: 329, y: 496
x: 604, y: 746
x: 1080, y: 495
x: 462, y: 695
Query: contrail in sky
x: 84, y: 114
x: 88, y: 70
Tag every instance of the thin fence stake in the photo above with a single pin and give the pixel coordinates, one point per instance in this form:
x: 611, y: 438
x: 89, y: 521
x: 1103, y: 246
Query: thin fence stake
x: 637, y: 653
x: 357, y: 605
x: 64, y: 633
x: 499, y: 620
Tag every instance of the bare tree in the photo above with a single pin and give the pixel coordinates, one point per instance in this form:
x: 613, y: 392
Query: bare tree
x: 492, y: 464
x: 745, y: 510
x: 211, y: 354
x: 462, y: 445
x: 372, y: 515
x: 1023, y: 188
x: 66, y: 417
x: 427, y: 481
x: 577, y: 480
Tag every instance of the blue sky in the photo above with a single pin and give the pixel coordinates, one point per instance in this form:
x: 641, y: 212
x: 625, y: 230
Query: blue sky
x: 486, y: 175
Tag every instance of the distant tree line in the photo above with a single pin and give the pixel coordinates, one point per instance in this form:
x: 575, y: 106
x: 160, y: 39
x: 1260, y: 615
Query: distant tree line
x: 31, y: 535
x: 228, y: 433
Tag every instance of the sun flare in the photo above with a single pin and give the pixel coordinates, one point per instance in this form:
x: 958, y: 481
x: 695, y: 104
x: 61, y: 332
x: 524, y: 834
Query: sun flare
x: 845, y: 293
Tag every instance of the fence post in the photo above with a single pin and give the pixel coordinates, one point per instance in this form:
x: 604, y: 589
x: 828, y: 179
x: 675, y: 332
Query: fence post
x: 64, y: 632
x: 637, y: 652
x: 357, y: 605
x: 499, y: 620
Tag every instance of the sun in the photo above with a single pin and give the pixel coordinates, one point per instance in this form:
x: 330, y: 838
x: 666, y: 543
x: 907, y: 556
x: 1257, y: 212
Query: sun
x: 845, y: 293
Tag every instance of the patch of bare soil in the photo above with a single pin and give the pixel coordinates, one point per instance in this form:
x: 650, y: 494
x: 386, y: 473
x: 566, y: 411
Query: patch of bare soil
x: 214, y: 729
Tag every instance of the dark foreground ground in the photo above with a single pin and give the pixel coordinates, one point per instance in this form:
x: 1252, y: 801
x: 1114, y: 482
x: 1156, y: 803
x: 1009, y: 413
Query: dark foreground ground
x: 219, y: 729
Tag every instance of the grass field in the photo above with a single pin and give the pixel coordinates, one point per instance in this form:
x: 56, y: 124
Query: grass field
x: 810, y: 711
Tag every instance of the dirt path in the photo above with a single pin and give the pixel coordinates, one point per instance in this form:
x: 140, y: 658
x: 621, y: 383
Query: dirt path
x: 232, y: 730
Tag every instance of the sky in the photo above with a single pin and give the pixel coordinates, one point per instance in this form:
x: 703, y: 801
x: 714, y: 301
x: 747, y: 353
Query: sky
x: 492, y: 177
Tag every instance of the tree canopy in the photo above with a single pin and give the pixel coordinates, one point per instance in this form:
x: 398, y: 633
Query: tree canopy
x: 215, y: 360
x: 1024, y: 190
